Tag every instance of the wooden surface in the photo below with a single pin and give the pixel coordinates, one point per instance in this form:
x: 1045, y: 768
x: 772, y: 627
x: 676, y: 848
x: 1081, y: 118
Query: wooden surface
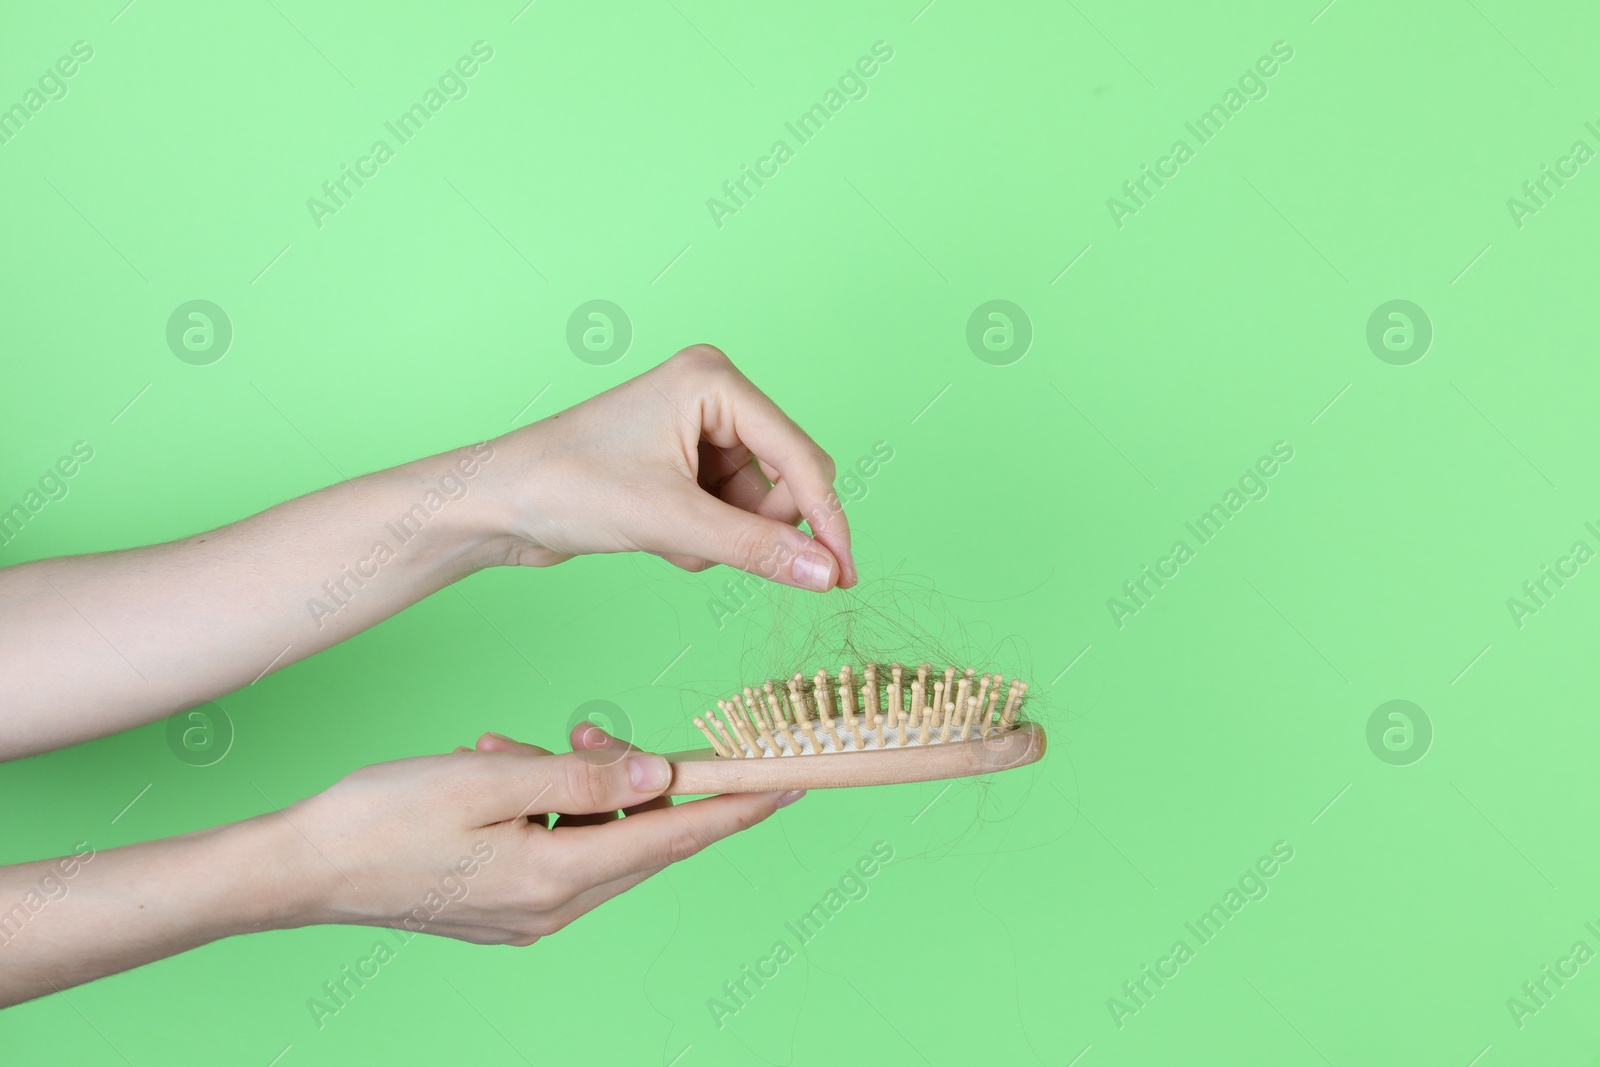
x: 702, y: 771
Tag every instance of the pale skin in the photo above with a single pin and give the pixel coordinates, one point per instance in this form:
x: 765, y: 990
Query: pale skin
x: 689, y: 461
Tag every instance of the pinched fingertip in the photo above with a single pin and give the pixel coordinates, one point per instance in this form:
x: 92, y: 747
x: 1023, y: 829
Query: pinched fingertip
x: 586, y: 735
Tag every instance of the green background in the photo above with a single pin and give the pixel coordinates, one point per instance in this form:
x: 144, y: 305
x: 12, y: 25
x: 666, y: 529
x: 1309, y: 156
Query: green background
x: 1228, y: 314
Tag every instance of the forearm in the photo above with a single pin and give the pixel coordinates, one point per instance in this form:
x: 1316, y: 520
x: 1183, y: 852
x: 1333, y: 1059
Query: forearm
x: 66, y: 922
x: 91, y: 645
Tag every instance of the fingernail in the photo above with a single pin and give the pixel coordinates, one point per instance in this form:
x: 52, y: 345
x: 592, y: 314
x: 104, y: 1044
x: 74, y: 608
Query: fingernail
x: 648, y: 774
x: 502, y: 737
x: 790, y: 797
x: 812, y: 570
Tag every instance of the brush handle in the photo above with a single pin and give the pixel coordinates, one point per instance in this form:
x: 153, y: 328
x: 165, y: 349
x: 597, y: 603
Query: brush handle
x: 701, y: 771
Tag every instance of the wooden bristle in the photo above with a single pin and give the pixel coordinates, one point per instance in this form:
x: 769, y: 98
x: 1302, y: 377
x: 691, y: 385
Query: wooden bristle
x: 1013, y: 702
x: 855, y: 712
x: 797, y: 699
x: 747, y: 724
x: 819, y: 686
x: 873, y: 714
x: 758, y: 718
x: 734, y: 747
x: 740, y: 739
x: 717, y: 745
x: 774, y: 713
x: 770, y: 712
x: 847, y: 699
x: 994, y: 695
x: 797, y: 703
x: 741, y: 722
x: 831, y: 738
x: 779, y: 719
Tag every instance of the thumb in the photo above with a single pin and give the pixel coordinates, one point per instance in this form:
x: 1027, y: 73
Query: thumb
x: 493, y: 742
x: 511, y: 784
x: 721, y: 533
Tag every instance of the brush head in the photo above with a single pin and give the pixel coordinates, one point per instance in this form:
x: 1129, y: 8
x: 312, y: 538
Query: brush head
x: 876, y: 726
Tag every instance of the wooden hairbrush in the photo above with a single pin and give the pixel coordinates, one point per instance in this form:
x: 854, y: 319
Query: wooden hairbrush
x: 828, y: 733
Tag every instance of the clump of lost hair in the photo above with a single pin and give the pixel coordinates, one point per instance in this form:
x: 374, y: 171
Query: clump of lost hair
x: 888, y: 620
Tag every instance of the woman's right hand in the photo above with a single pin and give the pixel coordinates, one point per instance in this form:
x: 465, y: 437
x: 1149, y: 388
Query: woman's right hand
x: 457, y: 844
x: 689, y: 461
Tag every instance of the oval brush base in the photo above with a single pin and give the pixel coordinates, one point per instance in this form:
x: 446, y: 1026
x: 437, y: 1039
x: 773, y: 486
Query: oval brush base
x: 702, y: 771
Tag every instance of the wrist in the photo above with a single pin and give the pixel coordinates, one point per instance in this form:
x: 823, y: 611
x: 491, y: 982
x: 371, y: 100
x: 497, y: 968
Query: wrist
x: 290, y: 884
x: 451, y: 500
x: 518, y: 508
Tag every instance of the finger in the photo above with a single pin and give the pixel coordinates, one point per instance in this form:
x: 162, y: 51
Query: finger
x: 736, y: 476
x: 493, y: 742
x: 589, y: 736
x: 718, y: 466
x: 779, y: 504
x: 746, y: 415
x: 745, y: 490
x: 506, y: 785
x: 652, y: 840
x: 649, y: 805
x: 774, y: 550
x: 774, y: 502
x: 586, y: 736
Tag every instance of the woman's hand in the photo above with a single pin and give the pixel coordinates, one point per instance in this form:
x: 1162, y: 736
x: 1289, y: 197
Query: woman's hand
x: 458, y: 845
x: 440, y: 845
x: 689, y: 461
